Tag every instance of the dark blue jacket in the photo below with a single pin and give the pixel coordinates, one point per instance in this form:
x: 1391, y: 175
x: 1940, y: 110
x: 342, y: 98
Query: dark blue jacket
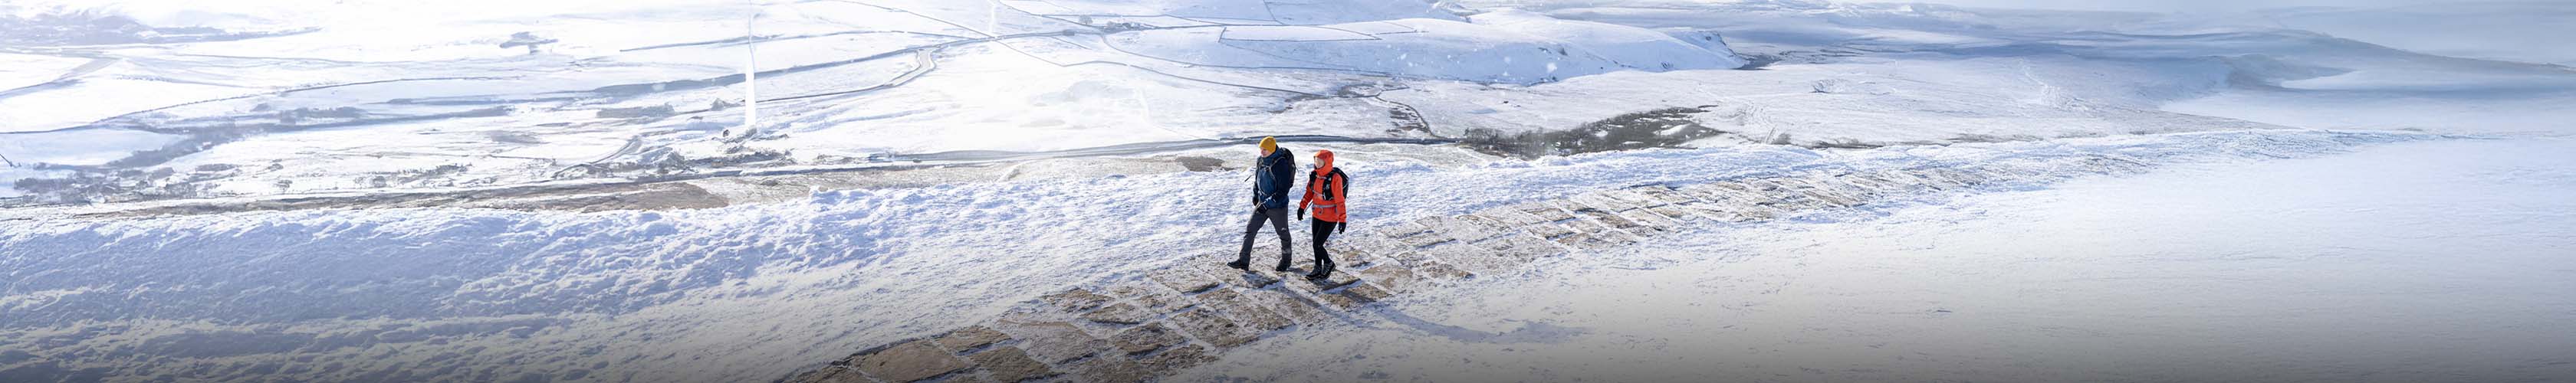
x: 1271, y: 177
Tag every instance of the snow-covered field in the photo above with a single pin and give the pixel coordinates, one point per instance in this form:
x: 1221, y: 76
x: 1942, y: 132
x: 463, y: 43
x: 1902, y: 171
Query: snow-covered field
x: 2357, y: 193
x: 744, y: 291
x: 299, y: 97
x: 2413, y: 262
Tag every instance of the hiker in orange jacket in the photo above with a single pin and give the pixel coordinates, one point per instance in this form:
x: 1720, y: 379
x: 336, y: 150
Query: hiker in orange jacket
x: 1328, y: 192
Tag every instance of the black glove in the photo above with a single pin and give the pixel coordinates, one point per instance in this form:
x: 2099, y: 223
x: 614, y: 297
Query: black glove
x: 1340, y: 228
x: 1301, y: 214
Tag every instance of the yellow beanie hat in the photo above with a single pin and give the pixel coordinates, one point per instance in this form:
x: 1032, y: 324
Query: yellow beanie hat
x: 1268, y: 145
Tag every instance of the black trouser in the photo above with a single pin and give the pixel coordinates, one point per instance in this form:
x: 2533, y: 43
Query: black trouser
x: 1278, y: 219
x: 1324, y: 231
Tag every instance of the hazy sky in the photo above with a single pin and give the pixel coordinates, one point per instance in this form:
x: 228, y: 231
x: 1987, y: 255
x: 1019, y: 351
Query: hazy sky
x: 2173, y: 5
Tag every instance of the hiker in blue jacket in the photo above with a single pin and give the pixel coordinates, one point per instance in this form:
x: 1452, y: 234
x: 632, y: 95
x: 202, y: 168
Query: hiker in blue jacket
x: 1272, y: 176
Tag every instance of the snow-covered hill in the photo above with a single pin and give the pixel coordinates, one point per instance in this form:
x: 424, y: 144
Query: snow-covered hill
x: 757, y: 291
x: 178, y: 176
x: 149, y: 99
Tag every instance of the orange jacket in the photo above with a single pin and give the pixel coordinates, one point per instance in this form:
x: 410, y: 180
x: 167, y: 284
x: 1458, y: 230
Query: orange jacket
x: 1327, y: 190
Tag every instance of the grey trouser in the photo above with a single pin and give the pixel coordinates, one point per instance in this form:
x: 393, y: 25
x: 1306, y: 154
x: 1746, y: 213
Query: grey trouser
x: 1278, y: 219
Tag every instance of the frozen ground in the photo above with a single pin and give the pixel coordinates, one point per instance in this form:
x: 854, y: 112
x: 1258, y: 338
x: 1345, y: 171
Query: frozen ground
x: 2243, y: 266
x: 2410, y: 262
x: 306, y: 97
x: 725, y: 293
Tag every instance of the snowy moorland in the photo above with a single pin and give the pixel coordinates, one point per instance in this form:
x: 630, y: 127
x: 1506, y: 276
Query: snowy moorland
x: 143, y: 100
x: 755, y: 290
x: 376, y: 190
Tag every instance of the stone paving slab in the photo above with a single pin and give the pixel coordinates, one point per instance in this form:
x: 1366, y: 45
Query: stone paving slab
x: 1422, y: 241
x: 1296, y: 308
x: 1649, y: 218
x: 1147, y: 294
x: 909, y: 361
x: 1178, y: 358
x: 833, y: 374
x: 1547, y: 211
x: 1121, y: 313
x: 1053, y: 342
x: 1523, y: 246
x: 1184, y: 280
x: 1598, y: 201
x: 1632, y: 198
x: 1147, y: 338
x: 1251, y: 319
x: 1187, y: 314
x: 970, y: 338
x: 1207, y: 326
x: 1392, y: 277
x: 1010, y: 364
x: 1548, y: 230
x: 1076, y: 300
x: 1440, y: 271
x: 1511, y: 215
x: 1112, y: 370
x: 1404, y: 229
x: 1682, y: 213
x: 1665, y: 194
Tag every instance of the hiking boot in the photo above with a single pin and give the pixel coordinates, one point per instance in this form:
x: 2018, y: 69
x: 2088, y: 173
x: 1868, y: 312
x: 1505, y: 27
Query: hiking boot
x: 1240, y: 264
x: 1283, y: 265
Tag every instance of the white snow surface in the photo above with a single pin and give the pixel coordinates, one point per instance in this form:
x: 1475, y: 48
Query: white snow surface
x: 742, y: 292
x: 329, y: 94
x: 2409, y: 262
x: 404, y: 86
